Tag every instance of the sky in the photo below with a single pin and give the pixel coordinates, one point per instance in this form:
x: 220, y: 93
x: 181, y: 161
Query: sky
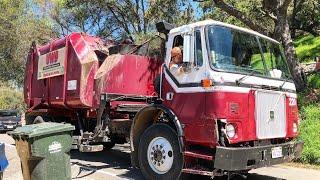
x: 197, y: 10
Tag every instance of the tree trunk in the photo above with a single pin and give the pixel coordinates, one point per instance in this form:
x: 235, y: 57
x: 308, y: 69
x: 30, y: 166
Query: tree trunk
x: 294, y: 66
x: 282, y: 33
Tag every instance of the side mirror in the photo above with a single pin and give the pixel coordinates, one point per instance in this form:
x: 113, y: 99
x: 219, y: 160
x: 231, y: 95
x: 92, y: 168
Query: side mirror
x: 187, y: 38
x: 276, y: 73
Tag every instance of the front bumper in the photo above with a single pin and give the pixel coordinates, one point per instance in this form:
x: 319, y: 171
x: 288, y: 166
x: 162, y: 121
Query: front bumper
x: 245, y: 158
x: 5, y: 127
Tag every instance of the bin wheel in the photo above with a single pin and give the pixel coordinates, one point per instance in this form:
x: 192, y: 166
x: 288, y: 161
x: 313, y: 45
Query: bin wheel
x: 108, y: 145
x: 38, y: 120
x: 159, y: 153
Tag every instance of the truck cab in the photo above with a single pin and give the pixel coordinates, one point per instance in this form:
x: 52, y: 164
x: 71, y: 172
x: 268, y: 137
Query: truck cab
x: 231, y: 106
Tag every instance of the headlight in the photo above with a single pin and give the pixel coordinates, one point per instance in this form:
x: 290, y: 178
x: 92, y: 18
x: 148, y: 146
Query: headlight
x: 230, y: 130
x: 295, y: 127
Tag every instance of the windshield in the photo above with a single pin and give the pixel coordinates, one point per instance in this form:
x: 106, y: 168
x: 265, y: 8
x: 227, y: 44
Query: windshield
x: 236, y: 51
x: 7, y: 113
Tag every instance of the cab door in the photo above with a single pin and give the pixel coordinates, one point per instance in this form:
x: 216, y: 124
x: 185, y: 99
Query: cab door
x: 183, y: 92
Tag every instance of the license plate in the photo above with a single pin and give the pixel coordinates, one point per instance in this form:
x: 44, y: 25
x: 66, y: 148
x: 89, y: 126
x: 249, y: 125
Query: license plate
x: 10, y: 127
x: 276, y: 152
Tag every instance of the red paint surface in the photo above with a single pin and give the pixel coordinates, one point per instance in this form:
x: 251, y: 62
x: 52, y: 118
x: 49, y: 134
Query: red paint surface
x: 191, y: 110
x: 133, y: 75
x: 292, y: 117
x: 199, y: 112
x: 53, y: 91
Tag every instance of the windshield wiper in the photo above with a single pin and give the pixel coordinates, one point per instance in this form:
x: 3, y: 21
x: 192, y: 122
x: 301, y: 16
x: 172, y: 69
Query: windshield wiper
x: 281, y: 86
x: 238, y: 81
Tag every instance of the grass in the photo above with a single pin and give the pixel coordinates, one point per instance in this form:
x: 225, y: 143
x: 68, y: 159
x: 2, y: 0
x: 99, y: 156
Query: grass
x: 307, y: 48
x: 309, y: 133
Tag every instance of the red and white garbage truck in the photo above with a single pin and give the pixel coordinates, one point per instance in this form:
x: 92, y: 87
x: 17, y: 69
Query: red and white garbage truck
x: 231, y: 107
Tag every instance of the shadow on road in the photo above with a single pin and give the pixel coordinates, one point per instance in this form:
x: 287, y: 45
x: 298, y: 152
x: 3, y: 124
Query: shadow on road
x: 113, y: 158
x: 252, y: 176
x: 118, y: 158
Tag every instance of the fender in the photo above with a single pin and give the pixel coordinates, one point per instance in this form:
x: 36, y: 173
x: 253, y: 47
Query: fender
x: 145, y: 118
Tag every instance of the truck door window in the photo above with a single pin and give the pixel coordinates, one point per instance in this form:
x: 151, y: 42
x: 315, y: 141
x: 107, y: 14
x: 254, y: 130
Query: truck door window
x: 198, y: 49
x: 178, y: 41
x: 176, y: 52
x: 186, y: 71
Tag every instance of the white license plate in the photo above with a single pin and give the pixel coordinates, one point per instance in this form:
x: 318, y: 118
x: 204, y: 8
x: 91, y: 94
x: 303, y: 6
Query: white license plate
x: 10, y: 127
x: 276, y: 152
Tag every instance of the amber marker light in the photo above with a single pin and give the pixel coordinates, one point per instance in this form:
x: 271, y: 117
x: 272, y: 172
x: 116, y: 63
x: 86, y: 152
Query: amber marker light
x: 206, y: 83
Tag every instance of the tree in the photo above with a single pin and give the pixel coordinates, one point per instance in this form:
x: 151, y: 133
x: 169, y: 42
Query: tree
x: 18, y: 27
x: 269, y: 17
x: 305, y: 16
x: 119, y: 18
x: 10, y: 97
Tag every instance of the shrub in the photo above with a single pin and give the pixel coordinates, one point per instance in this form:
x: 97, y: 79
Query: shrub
x: 314, y: 81
x: 309, y: 133
x: 11, y: 98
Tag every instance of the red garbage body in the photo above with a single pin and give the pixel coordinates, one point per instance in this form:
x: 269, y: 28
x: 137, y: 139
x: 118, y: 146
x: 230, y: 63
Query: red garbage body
x: 128, y: 75
x: 64, y: 73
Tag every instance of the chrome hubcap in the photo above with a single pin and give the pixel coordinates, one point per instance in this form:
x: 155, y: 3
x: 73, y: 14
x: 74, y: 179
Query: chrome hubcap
x: 160, y: 155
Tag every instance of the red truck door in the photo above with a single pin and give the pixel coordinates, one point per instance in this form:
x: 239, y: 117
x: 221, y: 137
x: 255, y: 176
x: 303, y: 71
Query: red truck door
x: 184, y: 95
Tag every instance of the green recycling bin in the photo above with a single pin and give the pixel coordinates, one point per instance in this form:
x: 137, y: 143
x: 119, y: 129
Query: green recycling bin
x: 44, y: 150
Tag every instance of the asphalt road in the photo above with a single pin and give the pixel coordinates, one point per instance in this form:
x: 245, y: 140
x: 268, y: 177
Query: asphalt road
x: 115, y: 164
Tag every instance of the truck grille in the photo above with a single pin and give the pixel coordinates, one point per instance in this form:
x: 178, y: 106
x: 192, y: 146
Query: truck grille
x: 9, y: 123
x: 270, y: 115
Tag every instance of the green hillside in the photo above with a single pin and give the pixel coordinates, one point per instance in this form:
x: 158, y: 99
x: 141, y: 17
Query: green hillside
x: 307, y: 48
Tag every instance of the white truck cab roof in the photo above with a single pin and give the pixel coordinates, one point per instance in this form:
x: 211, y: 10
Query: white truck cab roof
x: 213, y: 22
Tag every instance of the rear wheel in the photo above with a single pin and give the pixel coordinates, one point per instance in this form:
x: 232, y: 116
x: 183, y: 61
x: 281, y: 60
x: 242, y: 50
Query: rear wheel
x: 159, y: 153
x: 108, y: 145
x: 38, y: 120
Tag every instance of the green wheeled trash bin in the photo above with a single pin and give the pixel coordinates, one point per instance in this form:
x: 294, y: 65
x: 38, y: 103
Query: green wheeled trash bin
x: 44, y: 150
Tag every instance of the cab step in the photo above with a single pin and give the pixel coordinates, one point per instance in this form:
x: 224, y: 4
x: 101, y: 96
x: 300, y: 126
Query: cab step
x: 203, y: 171
x: 90, y: 148
x: 199, y: 155
x: 198, y: 172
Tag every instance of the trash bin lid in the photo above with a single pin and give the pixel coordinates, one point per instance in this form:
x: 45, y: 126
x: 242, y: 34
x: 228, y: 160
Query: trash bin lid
x: 40, y: 129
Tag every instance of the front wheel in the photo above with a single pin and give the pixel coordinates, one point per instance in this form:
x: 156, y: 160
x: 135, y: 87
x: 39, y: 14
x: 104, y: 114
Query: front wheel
x: 159, y: 153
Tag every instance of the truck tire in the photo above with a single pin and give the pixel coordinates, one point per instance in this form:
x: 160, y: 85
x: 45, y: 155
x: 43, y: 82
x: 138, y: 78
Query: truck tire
x: 38, y: 120
x: 108, y: 145
x: 29, y: 119
x: 159, y: 153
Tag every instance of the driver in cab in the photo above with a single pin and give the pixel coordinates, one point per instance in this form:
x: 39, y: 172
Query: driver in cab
x: 176, y: 63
